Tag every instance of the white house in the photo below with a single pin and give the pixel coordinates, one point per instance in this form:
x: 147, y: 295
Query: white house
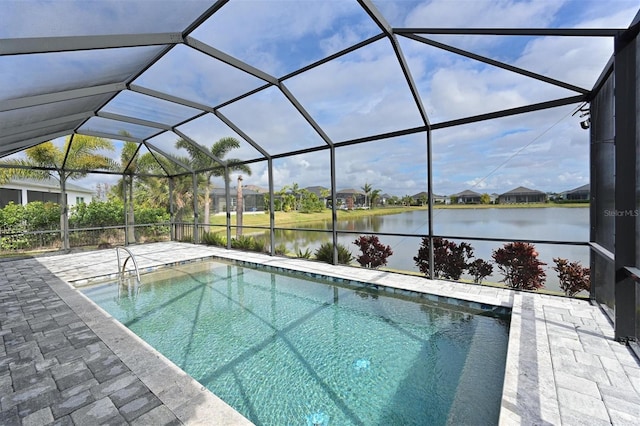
x: 22, y: 191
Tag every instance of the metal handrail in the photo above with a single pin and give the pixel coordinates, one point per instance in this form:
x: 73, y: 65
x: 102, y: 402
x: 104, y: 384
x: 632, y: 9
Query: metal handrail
x: 133, y: 259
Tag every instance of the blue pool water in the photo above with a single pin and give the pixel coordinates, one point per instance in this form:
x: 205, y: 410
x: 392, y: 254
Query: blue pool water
x: 288, y: 350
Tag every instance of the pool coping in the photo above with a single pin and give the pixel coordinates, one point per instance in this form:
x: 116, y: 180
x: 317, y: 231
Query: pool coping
x: 551, y: 338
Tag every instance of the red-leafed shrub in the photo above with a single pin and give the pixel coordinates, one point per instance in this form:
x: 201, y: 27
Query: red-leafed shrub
x: 449, y: 258
x: 573, y: 276
x: 479, y: 269
x: 520, y: 266
x: 374, y: 253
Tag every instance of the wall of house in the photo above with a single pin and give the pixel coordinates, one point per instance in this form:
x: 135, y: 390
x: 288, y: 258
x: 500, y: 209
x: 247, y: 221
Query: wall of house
x: 24, y: 195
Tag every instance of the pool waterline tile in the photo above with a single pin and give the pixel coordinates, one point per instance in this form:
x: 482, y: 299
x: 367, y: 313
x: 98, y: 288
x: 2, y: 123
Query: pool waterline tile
x: 524, y: 401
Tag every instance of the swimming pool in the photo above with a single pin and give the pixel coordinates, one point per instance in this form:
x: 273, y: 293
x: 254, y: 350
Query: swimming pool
x: 283, y: 349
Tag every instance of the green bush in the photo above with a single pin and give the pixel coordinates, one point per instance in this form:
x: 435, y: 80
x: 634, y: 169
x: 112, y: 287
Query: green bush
x: 248, y: 243
x: 97, y: 214
x: 41, y: 216
x: 281, y: 249
x: 324, y: 253
x: 306, y: 254
x: 214, y: 239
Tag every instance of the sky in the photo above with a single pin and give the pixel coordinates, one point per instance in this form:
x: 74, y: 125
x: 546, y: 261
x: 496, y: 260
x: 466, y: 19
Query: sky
x: 356, y: 95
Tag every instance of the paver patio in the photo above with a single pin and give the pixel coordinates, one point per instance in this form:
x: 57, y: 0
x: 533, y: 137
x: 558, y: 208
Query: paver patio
x: 65, y: 361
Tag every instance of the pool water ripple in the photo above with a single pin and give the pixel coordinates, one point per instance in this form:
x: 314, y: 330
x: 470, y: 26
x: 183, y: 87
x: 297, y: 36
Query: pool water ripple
x: 286, y: 350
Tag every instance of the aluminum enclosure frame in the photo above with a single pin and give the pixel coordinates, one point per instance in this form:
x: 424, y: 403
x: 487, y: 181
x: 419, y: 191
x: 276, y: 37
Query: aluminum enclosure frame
x: 623, y: 69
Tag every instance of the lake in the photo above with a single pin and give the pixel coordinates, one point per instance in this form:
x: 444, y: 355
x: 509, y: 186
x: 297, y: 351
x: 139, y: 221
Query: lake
x: 548, y: 224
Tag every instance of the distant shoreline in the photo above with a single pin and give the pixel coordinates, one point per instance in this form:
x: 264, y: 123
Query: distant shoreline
x: 510, y: 206
x: 294, y: 217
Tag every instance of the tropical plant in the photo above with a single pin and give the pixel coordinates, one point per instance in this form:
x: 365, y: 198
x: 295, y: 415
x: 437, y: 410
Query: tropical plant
x: 324, y: 253
x: 520, y: 266
x: 449, y: 259
x: 243, y: 242
x: 573, y: 277
x: 208, y: 160
x: 310, y: 202
x: 306, y: 254
x: 280, y: 249
x: 374, y: 253
x: 374, y: 197
x: 485, y: 198
x: 479, y: 269
x: 214, y: 239
x: 367, y: 190
x: 407, y: 200
x: 80, y: 153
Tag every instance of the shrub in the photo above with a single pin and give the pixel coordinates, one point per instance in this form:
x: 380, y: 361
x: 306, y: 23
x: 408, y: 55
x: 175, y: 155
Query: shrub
x: 479, y: 269
x: 281, y: 249
x: 325, y: 254
x: 573, y: 276
x: 520, y: 266
x: 449, y: 258
x: 97, y: 214
x: 41, y: 216
x: 214, y: 239
x: 374, y: 253
x: 248, y: 243
x: 306, y: 254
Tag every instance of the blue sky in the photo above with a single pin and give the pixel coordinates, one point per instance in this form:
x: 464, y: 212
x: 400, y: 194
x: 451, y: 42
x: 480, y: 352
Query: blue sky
x: 357, y: 95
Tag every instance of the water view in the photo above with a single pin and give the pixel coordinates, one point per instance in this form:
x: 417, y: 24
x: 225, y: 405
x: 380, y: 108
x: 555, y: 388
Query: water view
x: 546, y: 224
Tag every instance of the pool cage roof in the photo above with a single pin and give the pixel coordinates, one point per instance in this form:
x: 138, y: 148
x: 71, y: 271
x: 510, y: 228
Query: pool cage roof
x: 152, y: 72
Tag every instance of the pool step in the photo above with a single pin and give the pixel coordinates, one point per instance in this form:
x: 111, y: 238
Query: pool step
x: 487, y: 353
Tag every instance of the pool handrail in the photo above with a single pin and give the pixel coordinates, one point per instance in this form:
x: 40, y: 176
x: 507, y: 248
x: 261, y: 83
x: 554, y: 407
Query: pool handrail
x: 132, y: 257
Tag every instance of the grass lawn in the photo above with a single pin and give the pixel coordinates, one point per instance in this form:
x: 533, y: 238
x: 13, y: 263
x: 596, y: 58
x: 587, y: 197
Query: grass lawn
x: 293, y: 218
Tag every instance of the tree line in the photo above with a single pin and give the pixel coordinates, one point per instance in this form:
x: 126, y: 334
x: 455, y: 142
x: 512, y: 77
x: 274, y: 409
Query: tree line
x: 140, y: 184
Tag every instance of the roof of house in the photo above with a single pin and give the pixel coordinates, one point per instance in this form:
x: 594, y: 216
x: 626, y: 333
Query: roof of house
x: 233, y: 191
x: 467, y: 193
x: 521, y: 190
x: 255, y: 188
x: 350, y: 191
x: 583, y: 188
x: 49, y: 183
x: 316, y: 189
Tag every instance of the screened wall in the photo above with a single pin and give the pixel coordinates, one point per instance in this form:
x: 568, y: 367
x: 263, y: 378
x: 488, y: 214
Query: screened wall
x: 333, y: 95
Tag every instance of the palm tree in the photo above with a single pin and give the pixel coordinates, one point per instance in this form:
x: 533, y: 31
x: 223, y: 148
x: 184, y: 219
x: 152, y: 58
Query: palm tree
x: 202, y: 161
x: 79, y: 154
x: 375, y: 195
x: 367, y: 190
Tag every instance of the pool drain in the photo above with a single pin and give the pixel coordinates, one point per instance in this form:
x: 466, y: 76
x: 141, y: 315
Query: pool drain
x: 318, y: 419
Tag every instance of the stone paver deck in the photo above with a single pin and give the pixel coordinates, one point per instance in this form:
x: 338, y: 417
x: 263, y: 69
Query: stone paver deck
x: 64, y: 360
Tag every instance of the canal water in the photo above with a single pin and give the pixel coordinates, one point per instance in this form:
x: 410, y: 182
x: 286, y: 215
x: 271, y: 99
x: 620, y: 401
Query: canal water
x: 547, y: 224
